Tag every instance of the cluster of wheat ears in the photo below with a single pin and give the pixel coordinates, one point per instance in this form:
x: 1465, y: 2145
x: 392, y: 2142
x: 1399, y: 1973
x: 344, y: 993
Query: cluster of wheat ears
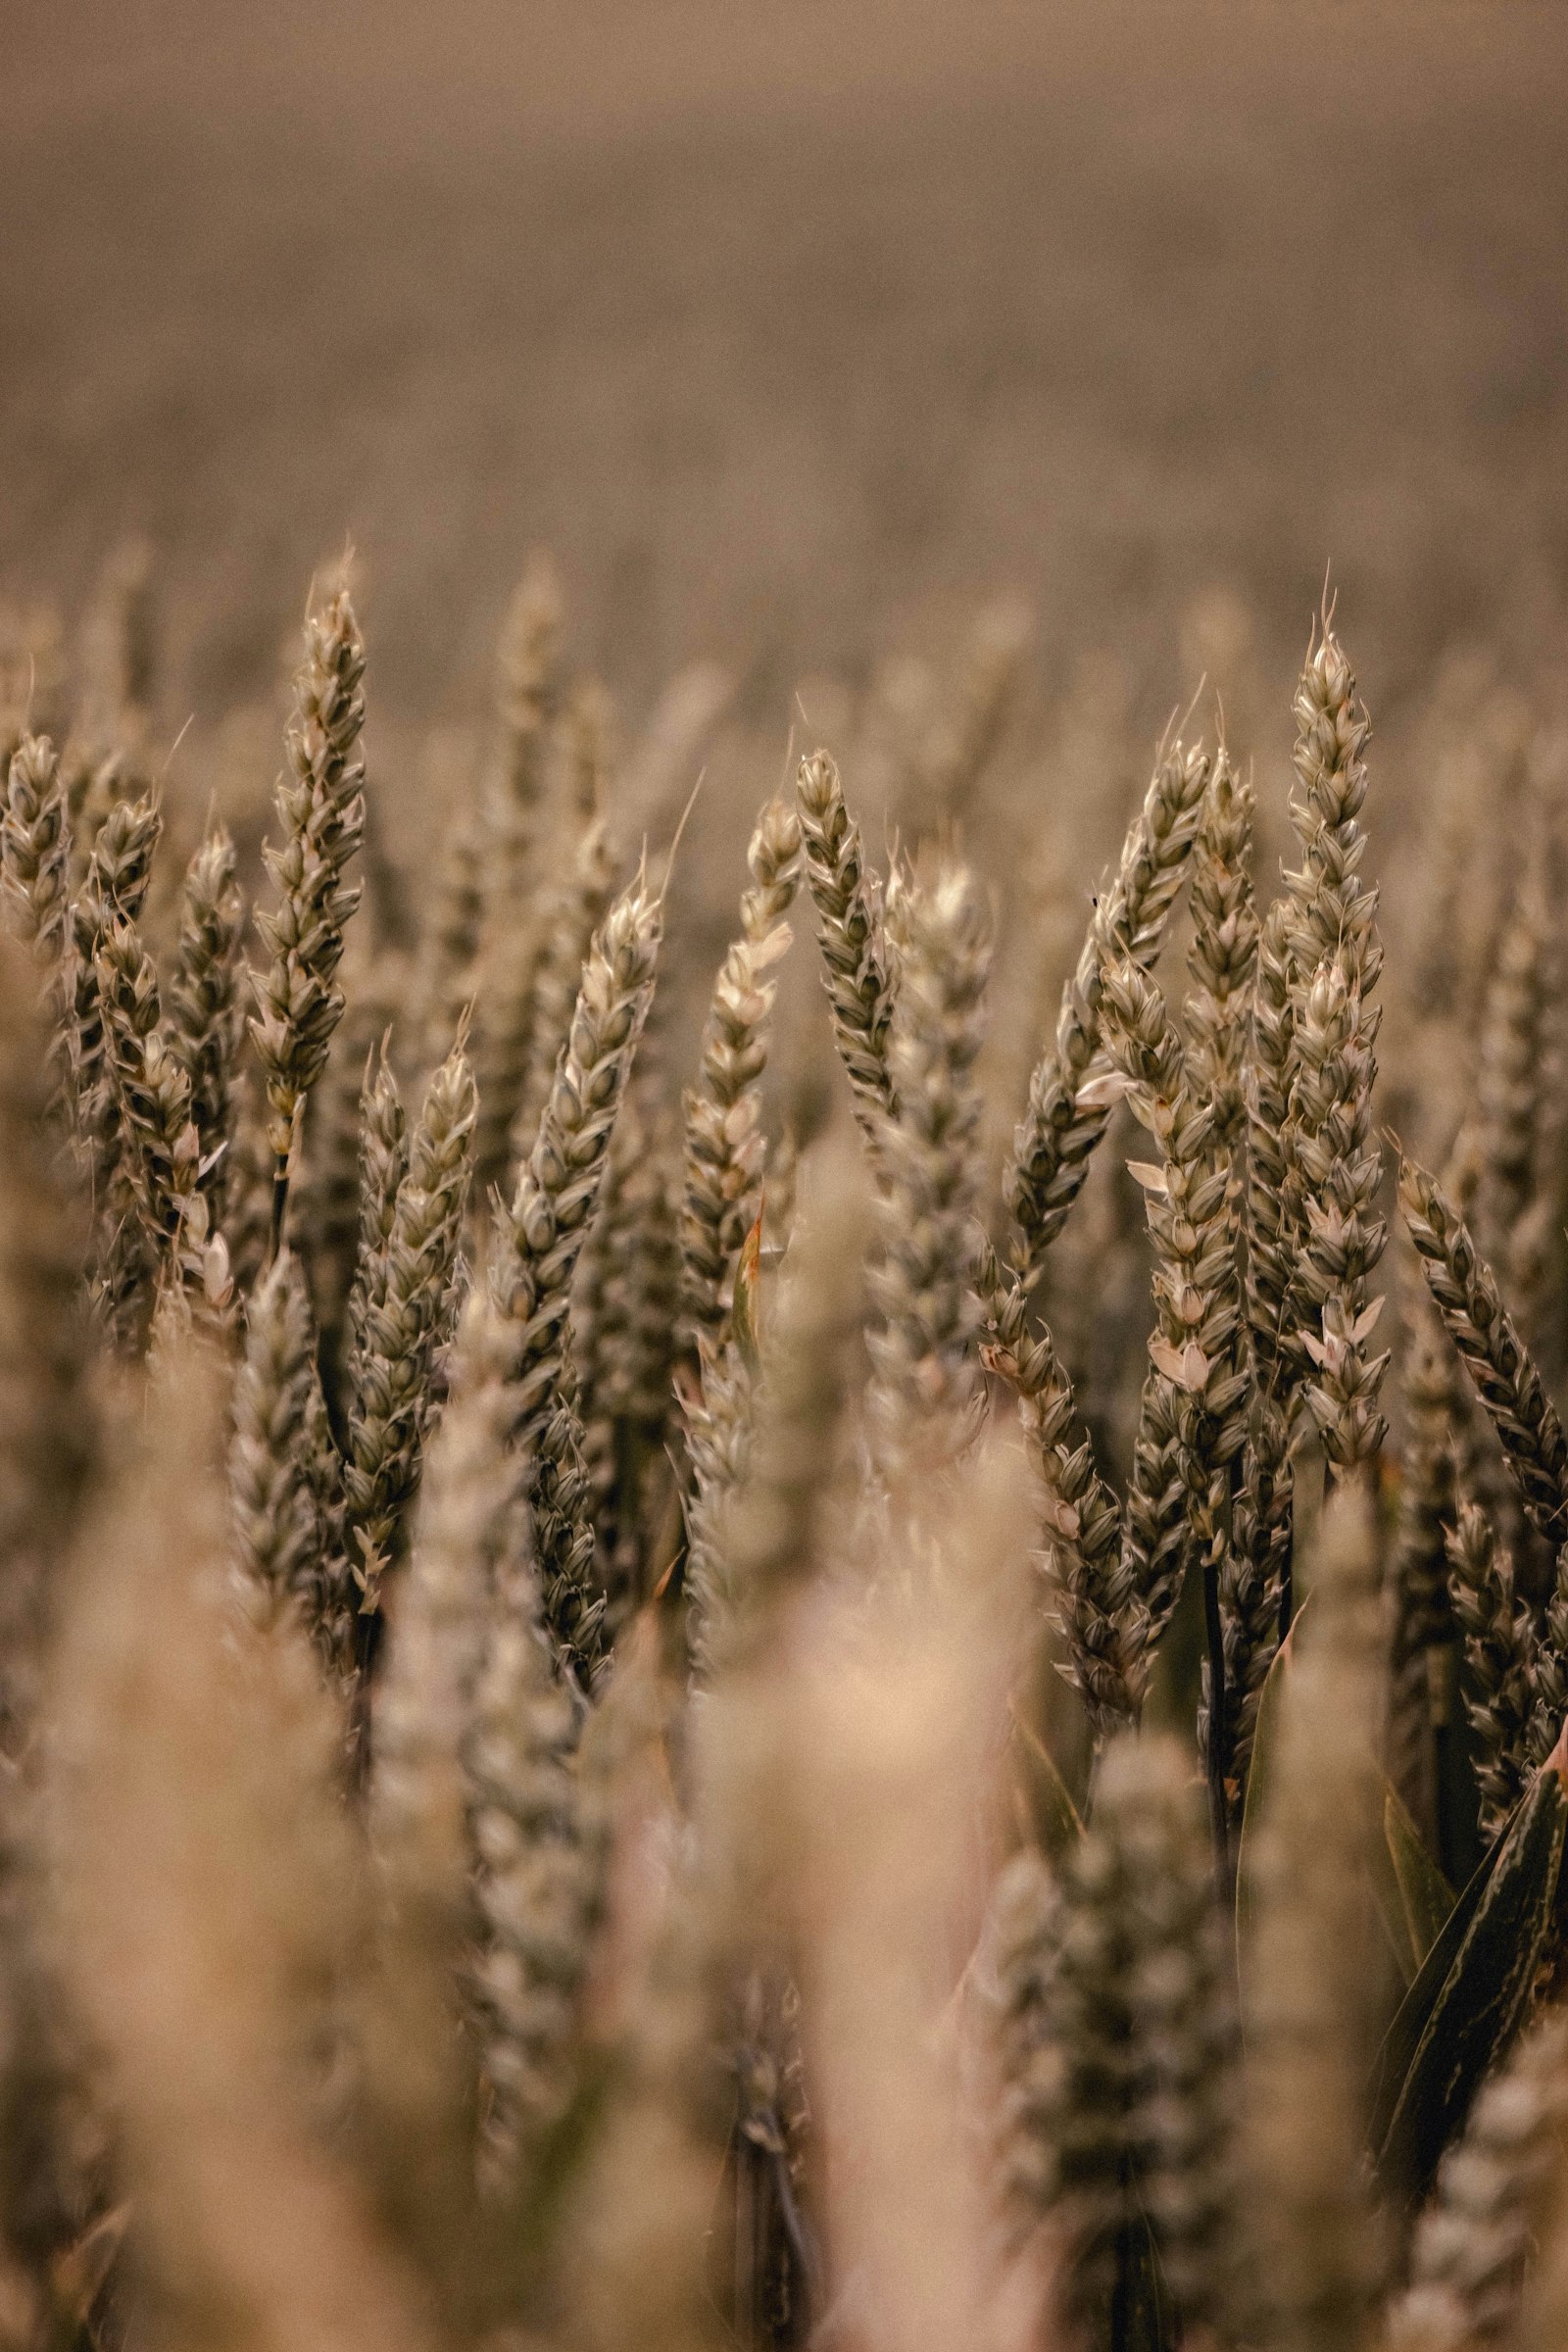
x: 600, y: 1754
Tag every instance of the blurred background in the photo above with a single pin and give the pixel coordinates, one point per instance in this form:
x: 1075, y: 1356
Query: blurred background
x: 799, y: 330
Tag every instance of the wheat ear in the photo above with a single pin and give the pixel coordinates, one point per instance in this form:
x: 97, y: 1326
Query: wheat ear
x: 320, y: 813
x: 1475, y: 2239
x: 286, y: 1546
x: 204, y: 1004
x: 1066, y: 1114
x: 1497, y: 1359
x: 858, y: 973
x: 1223, y: 958
x: 541, y: 1236
x: 1309, y: 2025
x: 406, y: 1320
x: 1500, y: 1659
x: 924, y: 1339
x: 35, y: 853
x: 726, y: 1147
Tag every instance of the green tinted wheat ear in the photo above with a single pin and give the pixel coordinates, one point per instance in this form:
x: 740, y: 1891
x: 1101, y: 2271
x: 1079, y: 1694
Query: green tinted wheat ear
x: 407, y: 1320
x: 320, y: 810
x: 1499, y: 1646
x: 35, y: 854
x: 1476, y: 2237
x: 1223, y: 956
x: 726, y: 1147
x: 542, y: 1234
x: 857, y: 975
x: 925, y: 1338
x: 1067, y: 1113
x: 1097, y: 1601
x: 204, y: 1003
x: 1498, y: 1363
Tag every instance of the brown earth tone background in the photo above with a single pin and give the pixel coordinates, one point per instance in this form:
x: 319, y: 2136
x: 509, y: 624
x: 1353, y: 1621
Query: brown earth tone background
x: 795, y: 330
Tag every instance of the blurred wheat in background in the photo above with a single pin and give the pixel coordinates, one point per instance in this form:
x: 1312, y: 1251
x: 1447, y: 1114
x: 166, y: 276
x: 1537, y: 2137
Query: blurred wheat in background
x: 784, y: 1305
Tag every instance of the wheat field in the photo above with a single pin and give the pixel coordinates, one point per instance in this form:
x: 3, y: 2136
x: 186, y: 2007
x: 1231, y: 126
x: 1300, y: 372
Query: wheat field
x: 889, y: 1681
x: 784, y: 1244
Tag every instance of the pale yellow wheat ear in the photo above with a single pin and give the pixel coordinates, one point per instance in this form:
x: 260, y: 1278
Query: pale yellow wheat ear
x: 207, y: 1907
